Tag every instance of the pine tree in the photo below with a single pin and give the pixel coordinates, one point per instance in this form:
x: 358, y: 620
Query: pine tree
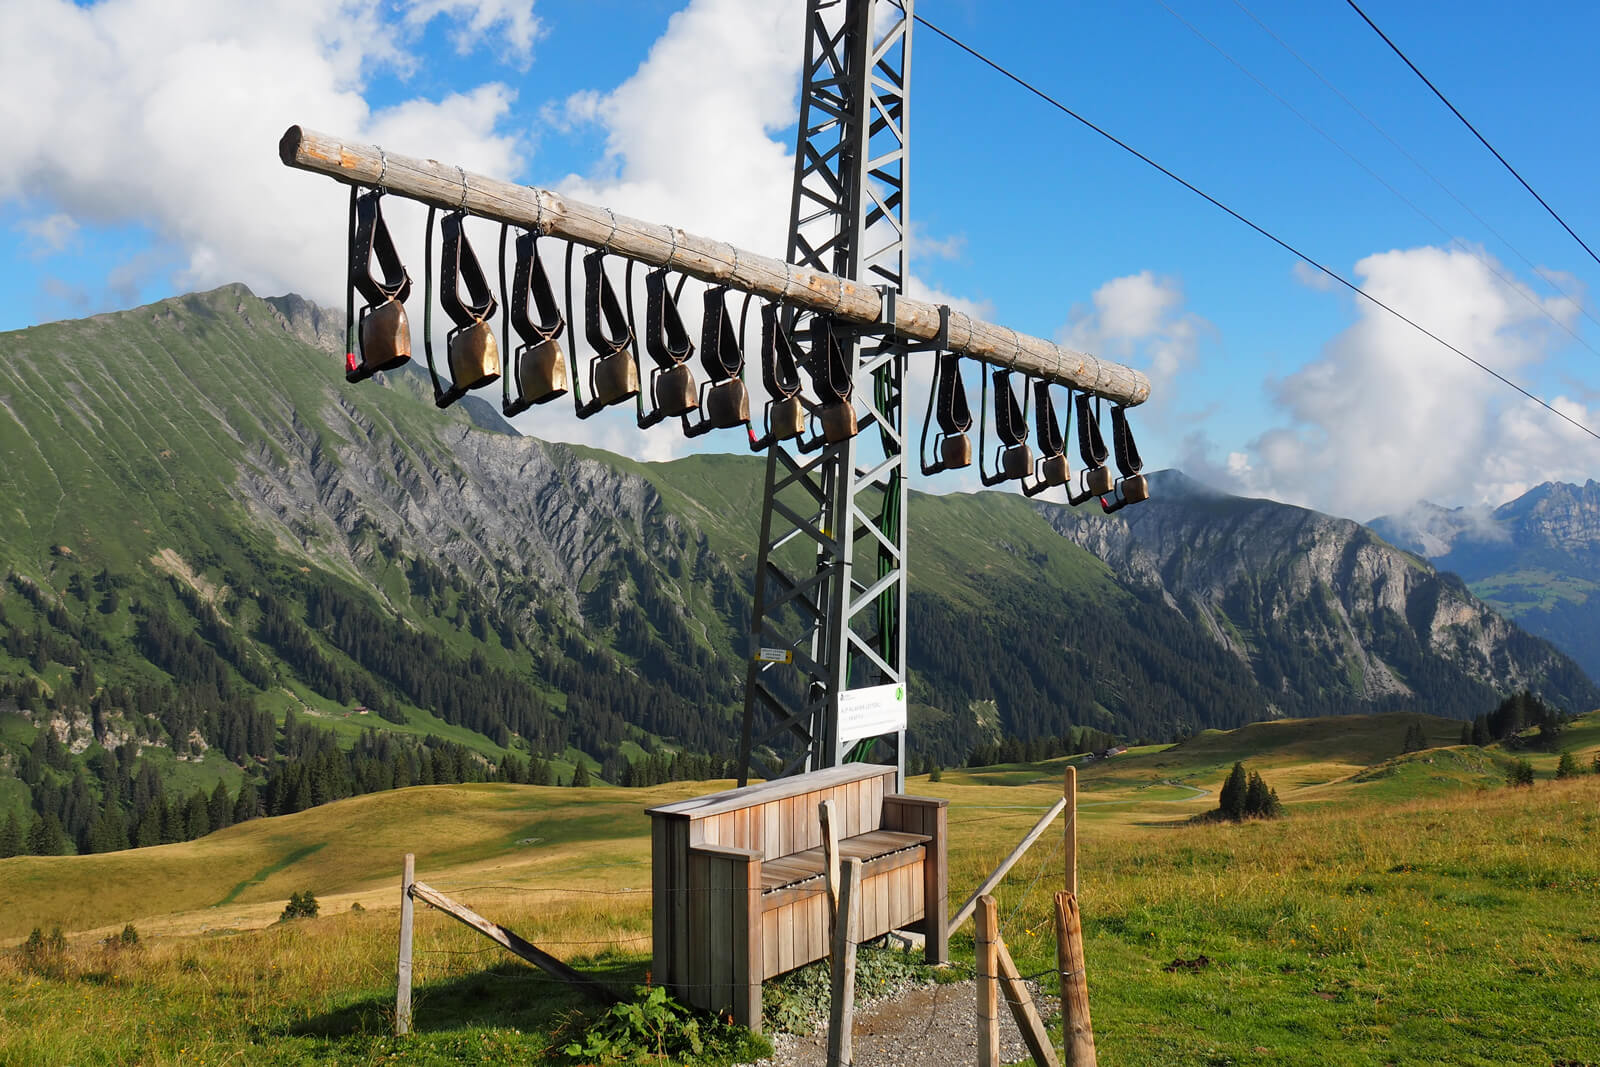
x: 580, y: 773
x: 1567, y: 766
x: 1232, y: 799
x: 219, y: 810
x: 46, y: 838
x: 12, y: 841
x: 1255, y: 796
x: 1466, y: 733
x: 1480, y: 731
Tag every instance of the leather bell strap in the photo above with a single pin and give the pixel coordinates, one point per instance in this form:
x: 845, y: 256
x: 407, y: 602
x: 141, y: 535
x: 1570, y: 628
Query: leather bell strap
x: 951, y: 392
x: 461, y: 268
x: 1047, y: 428
x: 1128, y: 461
x: 372, y: 237
x: 1091, y: 446
x: 600, y: 301
x: 830, y: 371
x: 664, y: 335
x: 1009, y: 424
x: 720, y: 353
x: 780, y: 372
x: 530, y: 280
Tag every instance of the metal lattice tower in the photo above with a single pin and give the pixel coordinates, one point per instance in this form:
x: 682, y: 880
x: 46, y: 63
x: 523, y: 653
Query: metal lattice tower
x: 831, y: 571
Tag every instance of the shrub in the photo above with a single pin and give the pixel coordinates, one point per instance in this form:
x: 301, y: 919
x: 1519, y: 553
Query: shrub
x: 937, y: 774
x: 1519, y: 773
x: 129, y: 936
x: 1567, y: 766
x: 652, y: 1025
x: 300, y: 906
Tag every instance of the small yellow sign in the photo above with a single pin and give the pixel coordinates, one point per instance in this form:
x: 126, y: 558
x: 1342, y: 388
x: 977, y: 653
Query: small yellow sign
x: 775, y: 655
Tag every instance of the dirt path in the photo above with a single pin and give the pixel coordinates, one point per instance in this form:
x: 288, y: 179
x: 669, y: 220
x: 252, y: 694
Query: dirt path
x: 934, y: 1024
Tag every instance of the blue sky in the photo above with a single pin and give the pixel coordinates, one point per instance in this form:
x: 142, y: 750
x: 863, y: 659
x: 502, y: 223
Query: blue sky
x: 1266, y: 381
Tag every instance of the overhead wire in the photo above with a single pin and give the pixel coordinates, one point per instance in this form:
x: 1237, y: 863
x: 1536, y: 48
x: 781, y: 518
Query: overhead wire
x: 1415, y: 162
x: 1274, y: 238
x: 1481, y: 139
x: 1487, y: 263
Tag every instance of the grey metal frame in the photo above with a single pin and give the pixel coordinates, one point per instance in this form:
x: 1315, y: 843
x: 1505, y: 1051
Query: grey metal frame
x: 817, y: 593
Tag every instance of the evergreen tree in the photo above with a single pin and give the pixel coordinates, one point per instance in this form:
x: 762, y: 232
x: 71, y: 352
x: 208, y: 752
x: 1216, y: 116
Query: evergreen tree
x: 1519, y: 773
x: 12, y: 841
x: 46, y: 838
x: 1567, y: 766
x: 219, y: 810
x: 1256, y: 803
x: 1415, y: 740
x: 1232, y: 799
x: 1466, y: 733
x: 248, y: 806
x: 109, y: 833
x: 580, y: 773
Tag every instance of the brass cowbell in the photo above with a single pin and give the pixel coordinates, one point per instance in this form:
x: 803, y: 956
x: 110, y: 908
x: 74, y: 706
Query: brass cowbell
x: 1055, y: 470
x: 1098, y: 480
x: 1016, y: 461
x: 786, y: 418
x: 838, y: 421
x: 674, y: 391
x: 474, y: 357
x: 1135, y: 489
x: 541, y: 372
x: 728, y: 404
x: 955, y: 451
x: 385, y: 337
x: 616, y: 378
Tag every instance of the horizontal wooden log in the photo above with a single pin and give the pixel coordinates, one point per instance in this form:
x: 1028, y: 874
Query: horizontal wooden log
x: 448, y: 186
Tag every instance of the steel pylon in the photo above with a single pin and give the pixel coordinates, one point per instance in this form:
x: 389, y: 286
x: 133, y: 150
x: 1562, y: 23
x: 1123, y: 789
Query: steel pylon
x: 830, y: 588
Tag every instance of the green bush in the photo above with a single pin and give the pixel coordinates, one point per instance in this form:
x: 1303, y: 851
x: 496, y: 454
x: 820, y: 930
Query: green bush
x: 654, y: 1025
x: 1567, y: 766
x: 1519, y: 773
x: 300, y: 906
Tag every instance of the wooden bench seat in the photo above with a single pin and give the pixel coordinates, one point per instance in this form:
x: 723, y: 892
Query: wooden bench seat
x: 739, y: 893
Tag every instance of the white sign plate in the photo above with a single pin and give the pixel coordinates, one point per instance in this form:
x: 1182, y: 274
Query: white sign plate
x: 774, y: 655
x: 878, y: 709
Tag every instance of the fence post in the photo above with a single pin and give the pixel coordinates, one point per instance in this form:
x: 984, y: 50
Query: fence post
x: 1076, y: 1029
x: 402, y: 996
x: 841, y: 1014
x: 988, y: 923
x: 1069, y: 792
x: 830, y: 857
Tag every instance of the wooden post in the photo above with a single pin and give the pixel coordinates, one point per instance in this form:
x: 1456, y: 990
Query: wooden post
x: 988, y: 1015
x: 448, y: 186
x: 1076, y: 1029
x: 830, y: 858
x: 1005, y: 865
x: 402, y: 995
x: 1022, y: 1009
x: 841, y: 1013
x: 1069, y: 793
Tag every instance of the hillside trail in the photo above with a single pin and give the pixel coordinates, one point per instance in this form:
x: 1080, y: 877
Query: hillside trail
x: 926, y: 1024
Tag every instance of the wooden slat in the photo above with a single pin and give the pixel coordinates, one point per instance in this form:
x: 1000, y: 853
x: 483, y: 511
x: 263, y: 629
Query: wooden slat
x: 697, y: 975
x: 764, y: 792
x: 786, y: 929
x: 770, y: 943
x: 1022, y: 1009
x: 935, y: 888
x: 721, y: 940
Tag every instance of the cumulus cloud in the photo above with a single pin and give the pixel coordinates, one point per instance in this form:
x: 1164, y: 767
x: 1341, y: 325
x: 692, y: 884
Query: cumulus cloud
x: 167, y: 113
x: 1139, y: 318
x: 50, y: 234
x: 1385, y: 416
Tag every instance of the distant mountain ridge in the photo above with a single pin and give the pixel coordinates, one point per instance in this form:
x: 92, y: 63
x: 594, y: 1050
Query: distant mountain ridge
x: 1535, y: 558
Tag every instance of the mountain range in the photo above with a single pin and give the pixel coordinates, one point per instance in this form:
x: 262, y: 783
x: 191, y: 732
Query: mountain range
x: 203, y: 523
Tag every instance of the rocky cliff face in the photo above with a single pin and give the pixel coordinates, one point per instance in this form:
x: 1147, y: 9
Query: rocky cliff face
x: 1263, y: 577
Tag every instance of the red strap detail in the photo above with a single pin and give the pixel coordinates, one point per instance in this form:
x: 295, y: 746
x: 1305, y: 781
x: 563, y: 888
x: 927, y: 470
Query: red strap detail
x: 350, y: 361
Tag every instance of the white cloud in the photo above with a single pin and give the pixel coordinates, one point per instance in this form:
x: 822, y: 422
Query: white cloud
x: 1386, y: 416
x: 50, y: 234
x: 167, y: 113
x: 1139, y: 318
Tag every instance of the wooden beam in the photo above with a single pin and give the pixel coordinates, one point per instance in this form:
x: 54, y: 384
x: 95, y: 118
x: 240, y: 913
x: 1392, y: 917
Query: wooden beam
x: 830, y: 857
x: 1005, y: 865
x: 402, y: 994
x: 450, y: 187
x: 1022, y: 1009
x: 988, y: 965
x: 1069, y: 850
x: 842, y: 974
x: 1076, y: 1028
x: 495, y: 932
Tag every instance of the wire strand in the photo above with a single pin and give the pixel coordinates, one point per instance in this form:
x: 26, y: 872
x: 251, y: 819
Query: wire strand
x: 1274, y: 238
x: 1481, y: 139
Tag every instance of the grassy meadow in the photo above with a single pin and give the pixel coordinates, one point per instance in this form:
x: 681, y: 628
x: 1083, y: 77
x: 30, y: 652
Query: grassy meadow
x: 1410, y: 909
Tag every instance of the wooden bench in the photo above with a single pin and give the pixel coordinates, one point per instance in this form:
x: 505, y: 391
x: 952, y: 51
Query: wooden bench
x: 739, y: 893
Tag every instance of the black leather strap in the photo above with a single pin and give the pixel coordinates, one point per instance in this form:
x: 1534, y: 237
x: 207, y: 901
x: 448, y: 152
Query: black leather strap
x: 665, y: 337
x: 830, y: 371
x: 529, y: 280
x: 720, y: 353
x: 372, y: 236
x: 1128, y: 461
x: 951, y: 396
x: 1046, y: 428
x: 461, y: 268
x: 1009, y: 424
x: 780, y: 372
x: 600, y: 300
x: 1091, y: 446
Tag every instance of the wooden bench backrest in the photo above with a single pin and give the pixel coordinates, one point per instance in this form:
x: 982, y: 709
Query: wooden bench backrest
x: 779, y: 818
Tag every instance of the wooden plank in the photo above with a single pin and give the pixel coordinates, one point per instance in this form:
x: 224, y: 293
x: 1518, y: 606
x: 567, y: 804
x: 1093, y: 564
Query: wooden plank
x: 1076, y: 1028
x: 722, y: 939
x: 1069, y: 849
x: 935, y: 891
x: 988, y: 966
x: 828, y: 816
x: 765, y: 792
x: 499, y: 934
x: 786, y: 931
x: 841, y: 1013
x: 697, y: 978
x: 402, y: 994
x: 875, y: 803
x: 1005, y: 865
x: 748, y: 957
x: 678, y: 875
x: 1022, y: 1009
x: 772, y: 831
x: 770, y: 958
x: 660, y: 894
